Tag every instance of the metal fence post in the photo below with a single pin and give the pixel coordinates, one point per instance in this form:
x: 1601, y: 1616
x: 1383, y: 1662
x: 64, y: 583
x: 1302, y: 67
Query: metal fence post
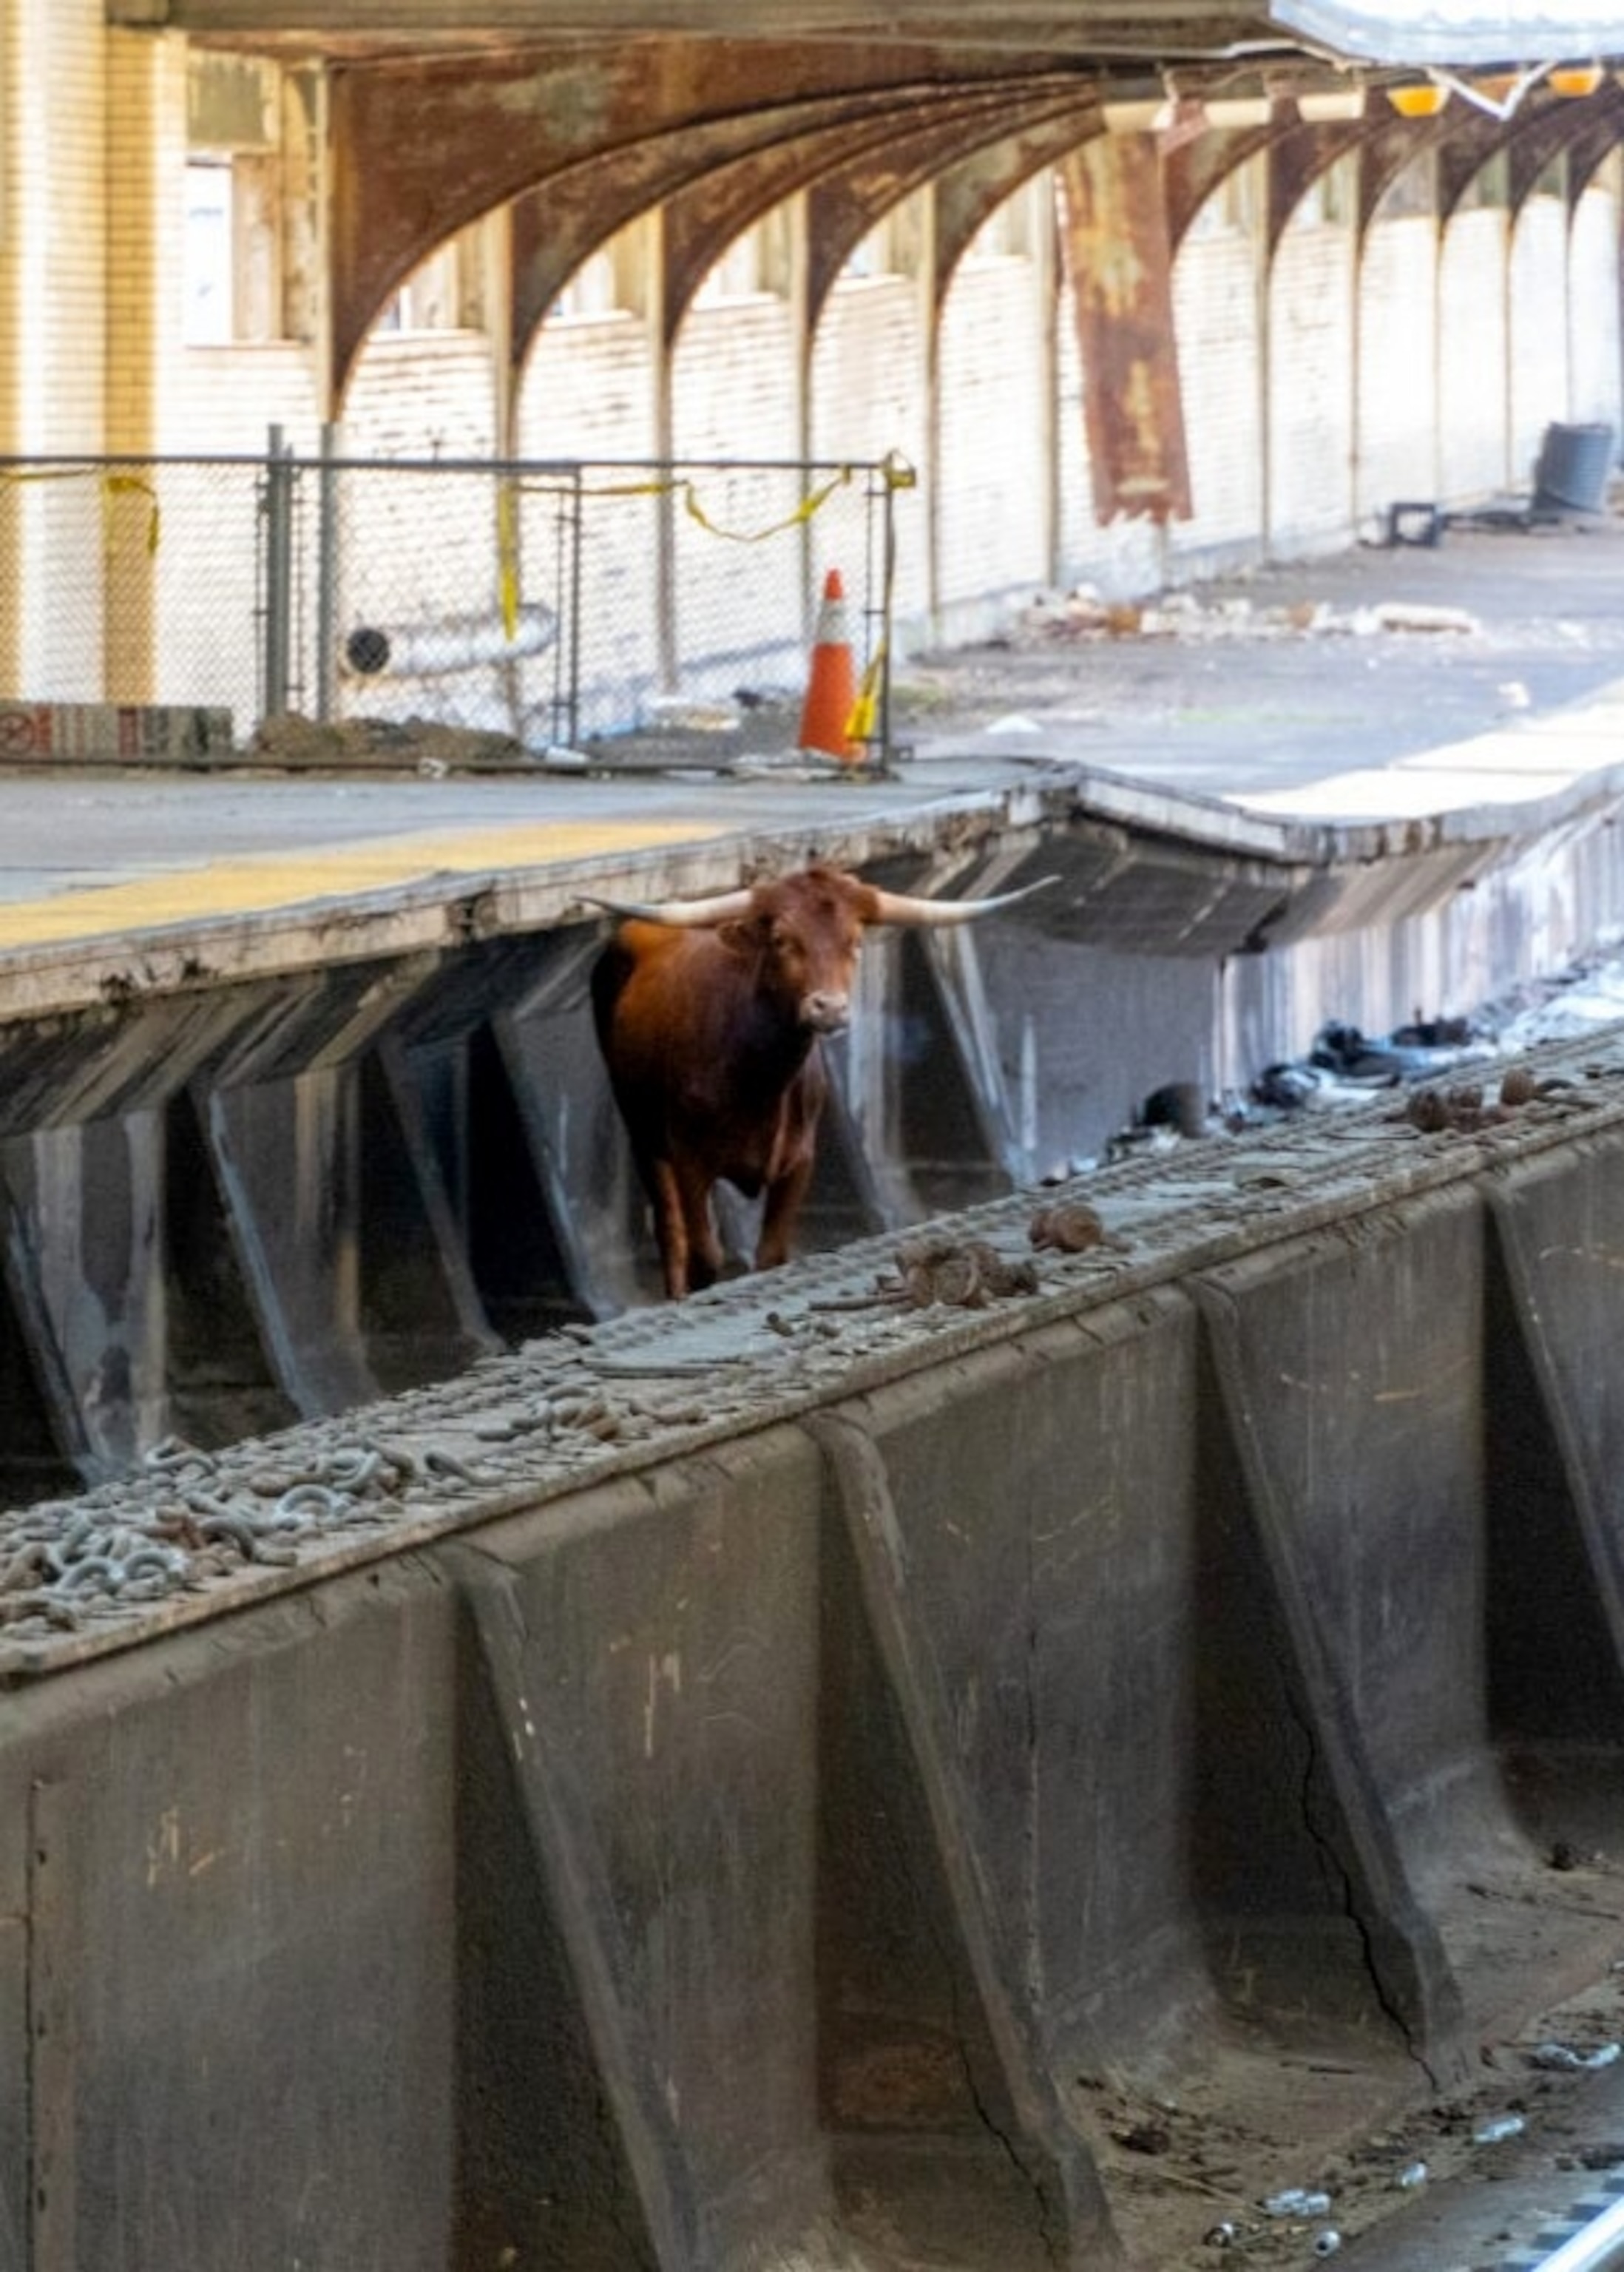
x: 278, y: 574
x: 326, y: 574
x: 887, y: 591
x: 576, y: 534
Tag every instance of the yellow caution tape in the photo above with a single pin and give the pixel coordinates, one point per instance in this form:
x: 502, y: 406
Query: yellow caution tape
x: 113, y: 486
x: 860, y: 725
x: 117, y: 485
x: 894, y: 470
x: 508, y: 559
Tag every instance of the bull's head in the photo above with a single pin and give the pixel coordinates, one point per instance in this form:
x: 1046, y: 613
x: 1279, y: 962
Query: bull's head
x: 803, y: 931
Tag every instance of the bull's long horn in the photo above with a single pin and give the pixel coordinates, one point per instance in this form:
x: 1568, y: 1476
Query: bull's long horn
x: 897, y: 907
x: 727, y: 907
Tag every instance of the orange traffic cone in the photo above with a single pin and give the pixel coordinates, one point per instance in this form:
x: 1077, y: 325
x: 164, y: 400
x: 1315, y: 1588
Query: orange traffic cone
x: 831, y: 687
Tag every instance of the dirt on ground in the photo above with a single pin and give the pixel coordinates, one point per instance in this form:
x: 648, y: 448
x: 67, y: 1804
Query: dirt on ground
x: 1270, y: 2155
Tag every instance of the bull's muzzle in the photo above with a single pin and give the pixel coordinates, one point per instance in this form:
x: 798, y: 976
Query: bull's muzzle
x: 827, y: 1014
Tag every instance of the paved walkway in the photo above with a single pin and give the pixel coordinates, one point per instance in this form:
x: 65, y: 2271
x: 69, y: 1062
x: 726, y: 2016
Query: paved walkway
x: 1372, y: 685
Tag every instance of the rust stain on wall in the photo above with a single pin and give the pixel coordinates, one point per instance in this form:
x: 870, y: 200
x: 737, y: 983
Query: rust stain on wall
x: 1119, y: 257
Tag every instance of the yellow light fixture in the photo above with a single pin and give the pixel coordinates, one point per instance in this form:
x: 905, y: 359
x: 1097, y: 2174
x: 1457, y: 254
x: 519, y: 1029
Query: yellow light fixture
x: 1424, y: 100
x: 1574, y: 79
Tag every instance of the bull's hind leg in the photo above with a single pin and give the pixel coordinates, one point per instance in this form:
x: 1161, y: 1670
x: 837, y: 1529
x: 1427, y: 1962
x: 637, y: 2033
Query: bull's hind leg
x: 778, y: 1217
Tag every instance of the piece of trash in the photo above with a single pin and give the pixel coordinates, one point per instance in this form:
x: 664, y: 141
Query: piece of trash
x: 1409, y: 2178
x: 1297, y: 2202
x: 1417, y: 616
x: 1327, y: 2243
x: 1514, y: 695
x: 683, y: 713
x: 1503, y: 2125
x: 1564, y: 2058
x: 1221, y: 2236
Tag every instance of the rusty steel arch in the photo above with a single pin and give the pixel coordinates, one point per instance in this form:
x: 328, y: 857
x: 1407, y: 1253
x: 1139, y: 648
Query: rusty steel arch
x: 560, y: 223
x: 420, y: 150
x: 707, y: 218
x: 969, y: 193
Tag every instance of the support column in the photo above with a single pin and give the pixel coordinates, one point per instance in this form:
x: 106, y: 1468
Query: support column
x: 145, y: 265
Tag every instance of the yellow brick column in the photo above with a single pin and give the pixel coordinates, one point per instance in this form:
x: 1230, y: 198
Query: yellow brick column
x: 145, y: 252
x: 52, y: 260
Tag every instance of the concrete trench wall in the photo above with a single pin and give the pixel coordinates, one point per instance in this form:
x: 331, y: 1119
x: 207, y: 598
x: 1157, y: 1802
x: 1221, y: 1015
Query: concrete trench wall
x: 771, y: 1846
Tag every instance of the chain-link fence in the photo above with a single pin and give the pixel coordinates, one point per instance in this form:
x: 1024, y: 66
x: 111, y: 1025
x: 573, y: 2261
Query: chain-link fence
x: 572, y: 604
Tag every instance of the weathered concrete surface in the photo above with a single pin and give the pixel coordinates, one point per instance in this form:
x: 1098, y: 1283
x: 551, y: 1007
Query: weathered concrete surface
x: 805, y: 1772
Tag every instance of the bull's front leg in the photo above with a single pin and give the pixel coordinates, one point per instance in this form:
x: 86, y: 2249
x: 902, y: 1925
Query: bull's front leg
x: 690, y: 1252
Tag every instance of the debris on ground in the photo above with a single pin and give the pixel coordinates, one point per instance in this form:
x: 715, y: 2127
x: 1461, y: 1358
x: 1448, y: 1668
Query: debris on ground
x: 1071, y: 1227
x: 1344, y: 1066
x: 965, y: 1274
x: 1082, y: 614
x: 423, y: 745
x: 1222, y: 2163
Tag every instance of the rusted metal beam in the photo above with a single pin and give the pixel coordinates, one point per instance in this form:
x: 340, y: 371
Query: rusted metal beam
x: 1599, y: 131
x: 1295, y: 161
x: 422, y: 146
x: 843, y: 210
x: 1385, y: 149
x: 841, y: 162
x: 1536, y: 135
x: 1194, y: 169
x: 1119, y: 255
x: 558, y: 224
x: 967, y: 194
x: 1464, y: 148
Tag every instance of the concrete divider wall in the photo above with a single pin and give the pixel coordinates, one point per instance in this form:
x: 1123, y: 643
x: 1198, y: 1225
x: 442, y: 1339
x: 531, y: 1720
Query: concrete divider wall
x: 775, y: 1847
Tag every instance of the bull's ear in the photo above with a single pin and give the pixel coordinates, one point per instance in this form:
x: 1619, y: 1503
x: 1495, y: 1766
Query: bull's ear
x: 739, y: 937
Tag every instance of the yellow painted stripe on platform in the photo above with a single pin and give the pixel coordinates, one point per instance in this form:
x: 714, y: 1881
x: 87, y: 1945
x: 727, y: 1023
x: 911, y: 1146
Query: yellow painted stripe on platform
x: 261, y: 883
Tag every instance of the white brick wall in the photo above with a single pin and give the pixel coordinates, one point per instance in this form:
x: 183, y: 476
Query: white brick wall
x: 869, y: 396
x: 730, y: 391
x: 1473, y: 411
x: 994, y: 437
x: 1218, y: 310
x: 587, y: 390
x: 1538, y: 317
x: 1398, y: 380
x: 1594, y: 305
x: 1311, y: 389
x: 422, y: 395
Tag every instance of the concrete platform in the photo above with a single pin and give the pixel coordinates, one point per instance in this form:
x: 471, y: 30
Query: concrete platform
x: 1287, y: 743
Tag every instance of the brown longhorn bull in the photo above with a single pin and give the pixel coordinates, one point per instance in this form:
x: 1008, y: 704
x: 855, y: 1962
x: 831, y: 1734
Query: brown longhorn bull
x: 708, y: 1015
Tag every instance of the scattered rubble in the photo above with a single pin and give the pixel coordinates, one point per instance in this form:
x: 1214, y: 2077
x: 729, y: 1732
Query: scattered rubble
x: 1082, y: 614
x: 423, y: 745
